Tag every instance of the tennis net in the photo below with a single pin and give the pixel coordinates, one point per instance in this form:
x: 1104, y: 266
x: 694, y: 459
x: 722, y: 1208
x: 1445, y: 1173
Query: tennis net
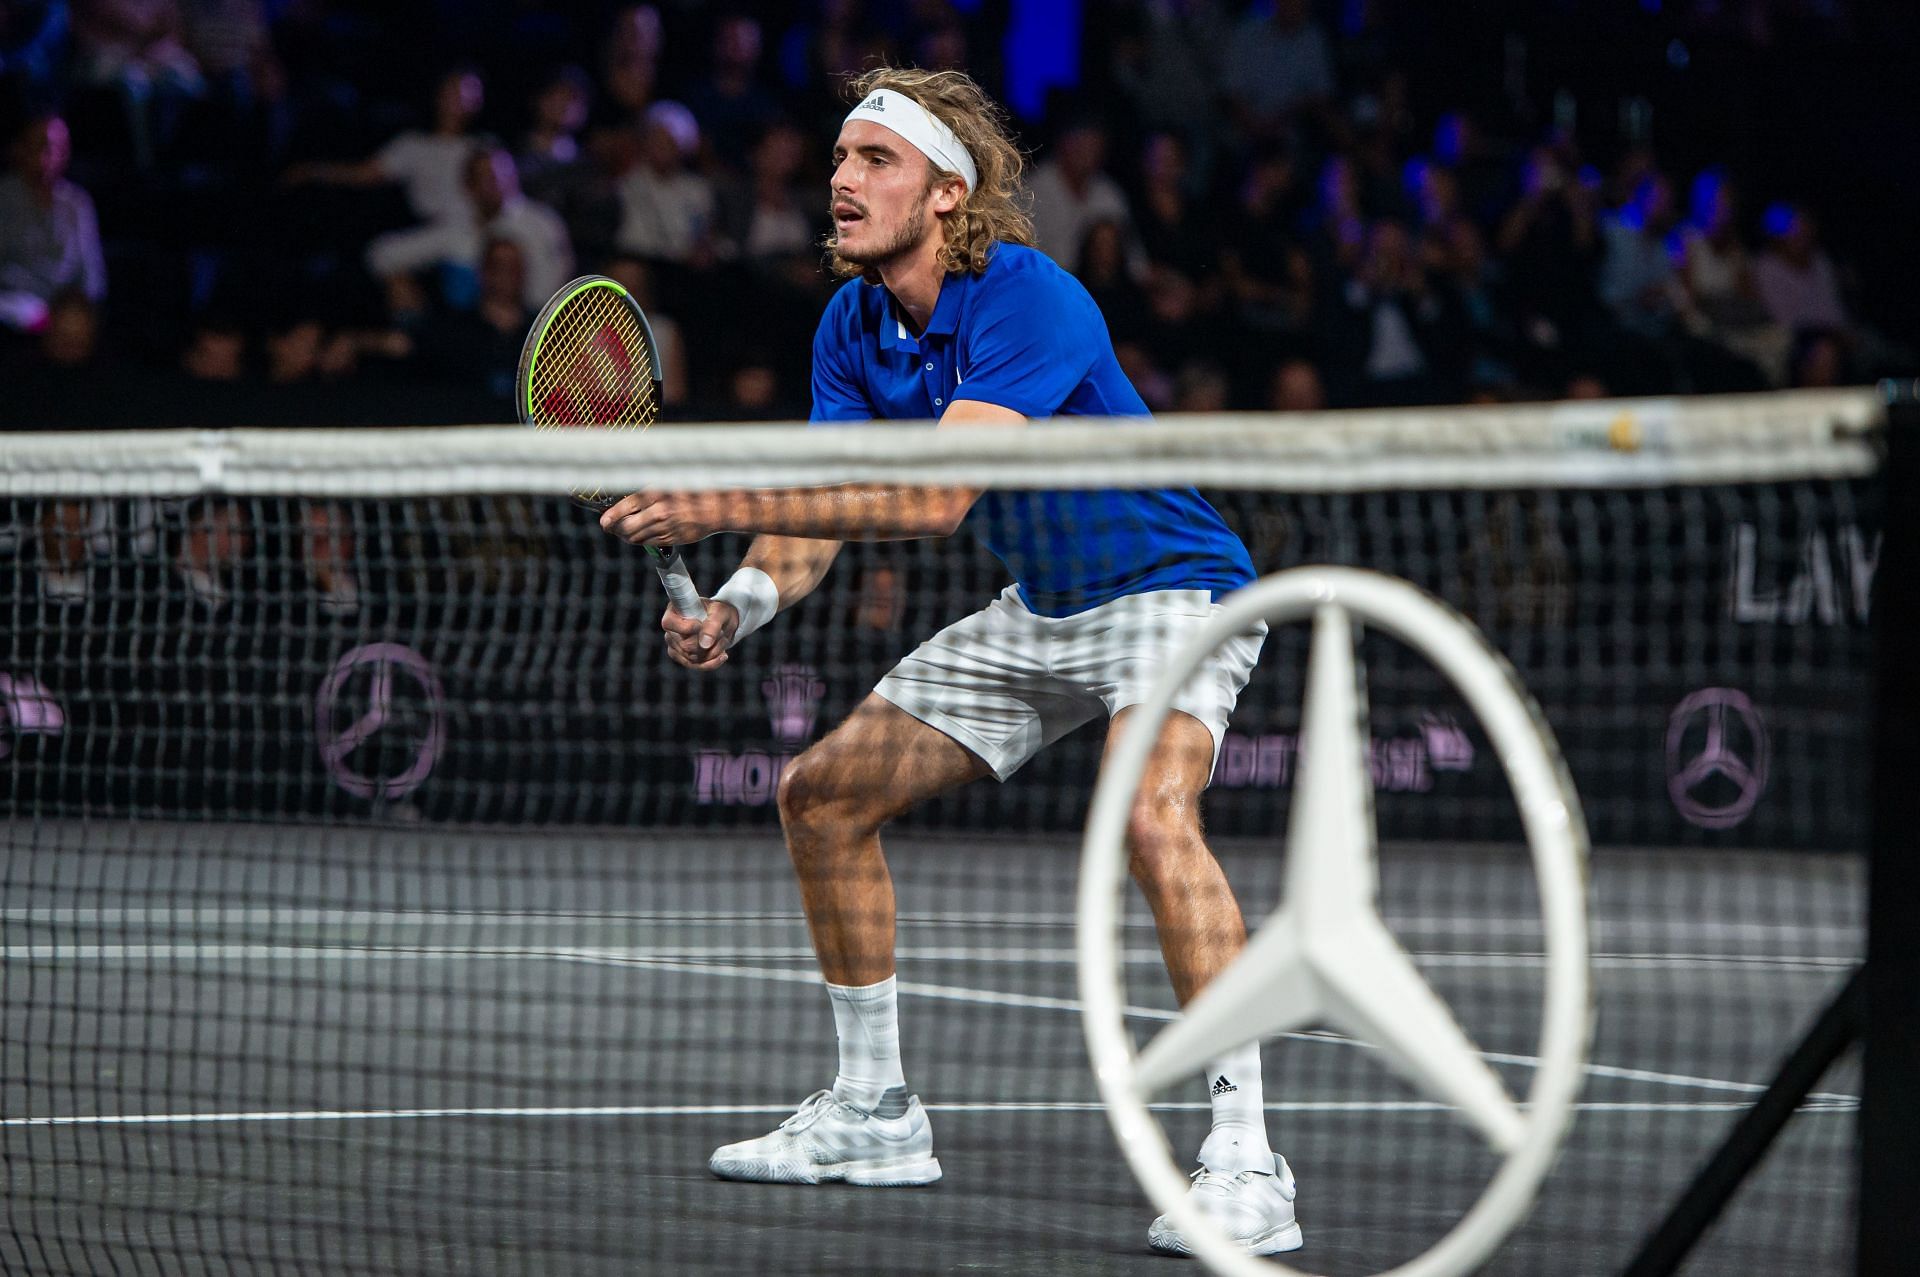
x: 378, y: 898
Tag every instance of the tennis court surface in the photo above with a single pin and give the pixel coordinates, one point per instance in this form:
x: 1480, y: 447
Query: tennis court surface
x: 468, y: 1053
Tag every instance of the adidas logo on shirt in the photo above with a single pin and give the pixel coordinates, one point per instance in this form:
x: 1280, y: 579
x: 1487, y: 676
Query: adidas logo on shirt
x: 1223, y: 1087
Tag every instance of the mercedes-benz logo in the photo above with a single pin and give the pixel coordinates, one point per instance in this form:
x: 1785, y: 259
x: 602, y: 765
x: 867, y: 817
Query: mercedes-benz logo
x: 359, y: 699
x: 1717, y: 757
x: 1325, y: 957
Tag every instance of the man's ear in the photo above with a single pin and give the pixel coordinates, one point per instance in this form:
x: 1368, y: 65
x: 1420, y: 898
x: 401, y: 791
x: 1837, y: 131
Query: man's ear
x: 948, y: 194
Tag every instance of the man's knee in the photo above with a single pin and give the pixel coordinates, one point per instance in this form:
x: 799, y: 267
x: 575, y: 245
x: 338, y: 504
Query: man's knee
x: 1163, y: 838
x: 817, y: 794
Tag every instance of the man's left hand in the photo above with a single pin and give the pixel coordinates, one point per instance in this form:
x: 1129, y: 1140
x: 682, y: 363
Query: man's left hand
x: 666, y: 518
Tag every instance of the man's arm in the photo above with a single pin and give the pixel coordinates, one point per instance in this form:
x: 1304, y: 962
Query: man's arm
x: 402, y: 252
x: 847, y: 512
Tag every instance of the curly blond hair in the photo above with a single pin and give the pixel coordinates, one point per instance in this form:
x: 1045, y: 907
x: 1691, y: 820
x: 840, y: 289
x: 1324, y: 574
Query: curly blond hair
x: 992, y: 213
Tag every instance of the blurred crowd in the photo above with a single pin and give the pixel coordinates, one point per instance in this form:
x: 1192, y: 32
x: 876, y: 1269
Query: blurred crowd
x: 220, y: 212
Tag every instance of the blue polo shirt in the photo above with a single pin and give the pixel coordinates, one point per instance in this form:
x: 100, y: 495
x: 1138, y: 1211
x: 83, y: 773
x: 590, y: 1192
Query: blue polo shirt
x: 1025, y: 335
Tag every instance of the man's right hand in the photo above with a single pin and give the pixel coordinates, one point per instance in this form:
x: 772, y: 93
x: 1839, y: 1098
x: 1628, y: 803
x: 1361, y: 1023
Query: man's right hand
x: 701, y: 645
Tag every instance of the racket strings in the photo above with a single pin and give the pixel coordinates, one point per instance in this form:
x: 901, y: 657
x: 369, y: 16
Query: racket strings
x: 594, y: 368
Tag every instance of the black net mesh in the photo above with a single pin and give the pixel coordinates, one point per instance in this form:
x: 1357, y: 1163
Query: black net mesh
x: 379, y: 898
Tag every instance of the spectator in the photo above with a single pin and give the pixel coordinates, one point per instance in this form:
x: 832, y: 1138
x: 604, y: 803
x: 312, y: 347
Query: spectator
x: 880, y: 599
x: 427, y: 164
x: 1202, y: 386
x: 1796, y: 279
x: 493, y: 207
x: 1819, y: 360
x: 33, y: 41
x: 1175, y: 51
x: 730, y: 104
x: 1637, y: 277
x: 229, y: 41
x: 1174, y: 229
x: 1395, y: 318
x: 1070, y: 193
x: 549, y: 157
x: 1434, y: 193
x: 826, y: 47
x: 293, y: 350
x: 60, y: 381
x: 666, y: 212
x: 216, y: 351
x: 1550, y: 243
x: 1716, y: 273
x: 1149, y: 378
x: 1103, y: 269
x: 1482, y: 346
x: 66, y: 526
x: 1267, y: 273
x: 1296, y: 387
x: 632, y: 66
x: 49, y: 240
x: 634, y: 276
x: 1336, y: 225
x: 766, y: 216
x: 133, y: 82
x: 481, y: 347
x: 1277, y: 67
x: 1585, y: 385
x: 218, y: 537
x: 71, y: 337
x: 561, y: 171
x: 131, y: 42
x: 753, y: 392
x: 942, y: 45
x: 1463, y: 149
x: 327, y: 553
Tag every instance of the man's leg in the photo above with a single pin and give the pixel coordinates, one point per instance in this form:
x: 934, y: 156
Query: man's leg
x: 1201, y: 932
x: 833, y: 800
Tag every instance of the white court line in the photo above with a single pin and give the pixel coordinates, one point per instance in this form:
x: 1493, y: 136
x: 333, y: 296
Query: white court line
x: 213, y: 952
x: 193, y: 915
x: 727, y: 1110
x: 941, y: 992
x: 988, y: 997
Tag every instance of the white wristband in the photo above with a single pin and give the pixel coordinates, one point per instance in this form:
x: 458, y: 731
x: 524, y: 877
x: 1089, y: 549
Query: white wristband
x: 754, y: 595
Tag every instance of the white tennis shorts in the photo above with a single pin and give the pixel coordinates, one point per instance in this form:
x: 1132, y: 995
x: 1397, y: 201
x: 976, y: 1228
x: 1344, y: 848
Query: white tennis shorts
x: 1006, y: 682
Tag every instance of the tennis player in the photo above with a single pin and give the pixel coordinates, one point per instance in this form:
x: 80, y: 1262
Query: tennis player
x: 950, y: 314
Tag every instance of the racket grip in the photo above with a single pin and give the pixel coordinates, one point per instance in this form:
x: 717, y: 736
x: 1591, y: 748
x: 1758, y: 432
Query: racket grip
x: 679, y: 582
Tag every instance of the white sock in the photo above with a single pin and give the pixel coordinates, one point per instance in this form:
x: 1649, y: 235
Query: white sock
x: 1238, y: 1141
x: 867, y: 1019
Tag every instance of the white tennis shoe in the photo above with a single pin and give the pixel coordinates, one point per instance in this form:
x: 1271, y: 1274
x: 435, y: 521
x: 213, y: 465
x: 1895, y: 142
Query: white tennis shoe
x: 1252, y: 1207
x: 830, y: 1139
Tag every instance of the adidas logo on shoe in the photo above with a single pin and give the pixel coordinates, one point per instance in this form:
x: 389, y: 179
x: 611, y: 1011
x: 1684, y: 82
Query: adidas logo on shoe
x: 1223, y: 1087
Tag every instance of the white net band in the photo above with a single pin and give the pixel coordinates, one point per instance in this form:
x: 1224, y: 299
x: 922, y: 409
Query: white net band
x: 1622, y: 443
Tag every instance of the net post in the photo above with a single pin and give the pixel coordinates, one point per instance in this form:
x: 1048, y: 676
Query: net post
x: 1837, y: 1028
x: 1889, y: 1226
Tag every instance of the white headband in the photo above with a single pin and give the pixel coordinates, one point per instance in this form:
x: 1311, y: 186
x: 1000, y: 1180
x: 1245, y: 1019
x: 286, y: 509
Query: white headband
x: 894, y: 110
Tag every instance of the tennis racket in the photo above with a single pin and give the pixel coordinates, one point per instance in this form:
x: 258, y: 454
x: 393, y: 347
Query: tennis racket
x: 590, y: 360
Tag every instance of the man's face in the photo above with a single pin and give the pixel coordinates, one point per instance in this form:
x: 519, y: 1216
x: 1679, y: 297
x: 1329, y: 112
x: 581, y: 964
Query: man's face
x: 562, y: 107
x: 461, y: 97
x: 41, y: 152
x: 503, y: 272
x: 492, y: 180
x: 883, y: 203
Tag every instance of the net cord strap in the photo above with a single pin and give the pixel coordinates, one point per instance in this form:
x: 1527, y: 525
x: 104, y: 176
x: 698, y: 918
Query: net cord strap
x: 1622, y: 443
